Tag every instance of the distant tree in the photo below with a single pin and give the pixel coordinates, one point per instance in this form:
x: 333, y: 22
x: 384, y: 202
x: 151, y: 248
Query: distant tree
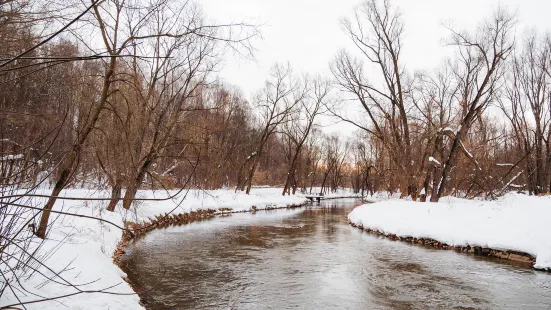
x: 309, y: 108
x: 526, y: 105
x: 275, y: 103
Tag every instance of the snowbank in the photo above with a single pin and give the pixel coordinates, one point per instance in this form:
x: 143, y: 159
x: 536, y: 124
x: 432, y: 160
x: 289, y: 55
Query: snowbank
x: 381, y: 196
x: 81, y: 249
x: 344, y: 193
x: 515, y: 222
x: 261, y: 198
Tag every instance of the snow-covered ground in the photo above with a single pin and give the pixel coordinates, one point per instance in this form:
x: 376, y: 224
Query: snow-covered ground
x: 514, y: 222
x: 339, y: 193
x: 349, y: 193
x: 381, y: 196
x: 81, y: 249
x: 261, y: 198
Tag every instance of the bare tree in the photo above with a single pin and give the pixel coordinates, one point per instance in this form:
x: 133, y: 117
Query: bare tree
x: 275, y: 102
x: 526, y: 105
x: 377, y: 31
x: 310, y: 107
x: 479, y: 69
x: 434, y: 98
x: 334, y: 157
x: 180, y: 66
x: 118, y: 38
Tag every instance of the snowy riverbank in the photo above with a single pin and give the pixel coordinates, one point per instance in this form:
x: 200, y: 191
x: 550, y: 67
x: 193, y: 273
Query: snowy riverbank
x: 349, y: 193
x: 515, y: 222
x: 81, y: 249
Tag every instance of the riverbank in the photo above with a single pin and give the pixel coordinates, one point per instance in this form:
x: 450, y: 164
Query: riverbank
x: 321, y: 263
x: 515, y: 227
x: 81, y: 249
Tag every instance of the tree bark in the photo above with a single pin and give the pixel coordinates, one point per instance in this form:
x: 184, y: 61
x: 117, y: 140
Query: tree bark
x: 130, y: 193
x: 115, y: 195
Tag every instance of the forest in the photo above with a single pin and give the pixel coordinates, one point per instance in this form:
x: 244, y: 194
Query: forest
x: 139, y: 107
x: 122, y: 96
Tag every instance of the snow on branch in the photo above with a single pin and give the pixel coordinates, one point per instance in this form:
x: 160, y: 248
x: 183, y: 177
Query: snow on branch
x: 505, y: 165
x: 469, y: 155
x: 511, y: 181
x: 434, y: 161
x: 12, y: 157
x: 252, y: 155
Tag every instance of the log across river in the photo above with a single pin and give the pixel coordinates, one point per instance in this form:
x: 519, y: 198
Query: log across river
x: 311, y: 258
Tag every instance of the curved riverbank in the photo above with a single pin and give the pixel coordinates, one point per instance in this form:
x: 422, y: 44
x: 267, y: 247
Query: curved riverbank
x: 319, y: 261
x: 138, y: 230
x: 515, y: 227
x: 516, y: 256
x: 81, y: 243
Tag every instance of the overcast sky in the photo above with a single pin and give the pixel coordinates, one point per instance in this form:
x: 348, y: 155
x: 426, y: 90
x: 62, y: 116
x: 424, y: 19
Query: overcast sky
x: 307, y: 33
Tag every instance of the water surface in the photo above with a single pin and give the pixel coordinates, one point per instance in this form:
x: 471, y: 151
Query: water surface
x: 310, y: 258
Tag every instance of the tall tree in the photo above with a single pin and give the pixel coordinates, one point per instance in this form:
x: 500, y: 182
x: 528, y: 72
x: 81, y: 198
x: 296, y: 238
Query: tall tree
x: 478, y: 70
x: 275, y: 103
x: 377, y: 31
x: 309, y: 108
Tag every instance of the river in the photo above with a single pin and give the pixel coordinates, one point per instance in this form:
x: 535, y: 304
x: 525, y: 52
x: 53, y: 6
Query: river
x: 310, y: 258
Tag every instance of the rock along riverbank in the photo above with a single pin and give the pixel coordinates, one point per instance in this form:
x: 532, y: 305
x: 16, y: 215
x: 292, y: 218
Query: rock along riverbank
x: 515, y: 227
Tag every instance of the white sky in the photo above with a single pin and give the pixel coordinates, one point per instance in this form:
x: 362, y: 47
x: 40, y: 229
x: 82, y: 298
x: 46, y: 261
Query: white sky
x: 307, y: 33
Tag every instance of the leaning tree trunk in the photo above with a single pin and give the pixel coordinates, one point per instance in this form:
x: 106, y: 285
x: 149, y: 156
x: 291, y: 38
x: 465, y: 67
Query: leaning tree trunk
x: 249, y: 180
x: 256, y: 161
x: 130, y: 194
x: 59, y: 185
x: 115, y: 195
x: 74, y: 153
x: 451, y: 162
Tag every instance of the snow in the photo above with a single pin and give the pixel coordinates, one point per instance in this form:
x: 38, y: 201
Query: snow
x: 11, y: 157
x: 381, y: 196
x: 447, y: 129
x: 339, y: 193
x: 83, y: 248
x: 514, y: 222
x: 349, y: 193
x: 433, y: 160
x: 512, y: 180
x: 252, y: 155
x: 261, y: 198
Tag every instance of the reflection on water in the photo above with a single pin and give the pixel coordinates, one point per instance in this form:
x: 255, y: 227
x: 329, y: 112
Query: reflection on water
x: 311, y: 258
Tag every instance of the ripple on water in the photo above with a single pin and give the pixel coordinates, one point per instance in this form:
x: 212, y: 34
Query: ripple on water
x: 311, y: 258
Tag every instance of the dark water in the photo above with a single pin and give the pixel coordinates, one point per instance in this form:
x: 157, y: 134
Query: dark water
x: 310, y: 258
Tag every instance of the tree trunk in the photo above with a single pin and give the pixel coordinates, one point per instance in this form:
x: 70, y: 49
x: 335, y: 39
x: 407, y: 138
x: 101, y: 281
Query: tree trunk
x: 249, y: 180
x: 115, y: 195
x: 451, y: 162
x: 291, y: 172
x: 75, y: 151
x: 60, y: 184
x: 133, y: 188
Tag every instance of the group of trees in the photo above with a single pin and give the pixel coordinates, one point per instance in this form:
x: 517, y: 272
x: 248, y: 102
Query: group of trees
x: 443, y: 132
x: 121, y: 95
x: 138, y: 107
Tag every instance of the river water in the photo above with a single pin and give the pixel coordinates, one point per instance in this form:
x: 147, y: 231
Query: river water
x: 310, y: 258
